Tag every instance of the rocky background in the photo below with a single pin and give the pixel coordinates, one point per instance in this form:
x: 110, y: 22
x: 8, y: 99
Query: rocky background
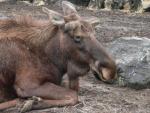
x: 126, y: 36
x: 129, y: 5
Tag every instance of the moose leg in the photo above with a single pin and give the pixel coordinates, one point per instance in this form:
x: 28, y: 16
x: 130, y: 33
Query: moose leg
x: 6, y: 95
x: 74, y: 83
x: 51, y: 94
x: 8, y: 104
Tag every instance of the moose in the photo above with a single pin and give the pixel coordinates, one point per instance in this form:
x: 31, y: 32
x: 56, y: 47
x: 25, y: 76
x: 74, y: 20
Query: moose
x: 35, y: 54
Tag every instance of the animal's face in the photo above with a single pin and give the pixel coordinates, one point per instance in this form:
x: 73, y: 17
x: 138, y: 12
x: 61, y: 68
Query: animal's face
x: 78, y: 38
x: 84, y: 47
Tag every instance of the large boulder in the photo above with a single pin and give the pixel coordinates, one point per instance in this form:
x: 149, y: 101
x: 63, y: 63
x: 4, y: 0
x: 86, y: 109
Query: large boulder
x: 133, y: 57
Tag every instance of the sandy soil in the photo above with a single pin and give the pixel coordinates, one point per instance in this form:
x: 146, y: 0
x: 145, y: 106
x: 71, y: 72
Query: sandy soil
x: 95, y: 96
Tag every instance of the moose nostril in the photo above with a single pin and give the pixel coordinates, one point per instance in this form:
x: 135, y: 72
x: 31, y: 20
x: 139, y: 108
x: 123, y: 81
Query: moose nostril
x: 112, y: 81
x: 103, y: 72
x: 96, y: 75
x: 119, y: 69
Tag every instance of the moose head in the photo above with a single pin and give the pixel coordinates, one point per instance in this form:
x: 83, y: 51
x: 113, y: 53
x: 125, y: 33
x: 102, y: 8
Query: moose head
x: 78, y: 41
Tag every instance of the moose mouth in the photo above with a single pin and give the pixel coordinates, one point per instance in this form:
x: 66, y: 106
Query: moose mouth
x: 98, y: 73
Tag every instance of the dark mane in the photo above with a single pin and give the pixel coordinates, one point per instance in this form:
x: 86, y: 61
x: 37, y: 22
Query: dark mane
x: 32, y: 30
x: 28, y: 20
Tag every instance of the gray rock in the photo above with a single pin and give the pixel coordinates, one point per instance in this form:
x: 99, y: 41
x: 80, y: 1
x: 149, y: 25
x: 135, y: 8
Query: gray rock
x: 146, y: 5
x: 133, y: 57
x: 96, y: 4
x: 128, y: 5
x: 9, y: 1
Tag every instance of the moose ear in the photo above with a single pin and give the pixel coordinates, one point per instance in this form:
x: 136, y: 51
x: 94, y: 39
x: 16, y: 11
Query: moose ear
x: 68, y: 8
x: 56, y: 18
x: 92, y: 20
x: 71, y: 25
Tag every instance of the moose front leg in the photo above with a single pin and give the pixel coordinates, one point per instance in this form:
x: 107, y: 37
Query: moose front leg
x: 74, y: 83
x: 8, y: 104
x: 51, y: 94
x: 74, y: 71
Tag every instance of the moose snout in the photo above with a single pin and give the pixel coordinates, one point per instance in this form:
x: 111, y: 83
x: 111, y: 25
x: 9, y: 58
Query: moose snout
x: 106, y: 74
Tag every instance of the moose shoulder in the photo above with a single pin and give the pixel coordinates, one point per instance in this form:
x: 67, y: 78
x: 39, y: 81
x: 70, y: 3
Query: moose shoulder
x: 65, y: 41
x: 23, y: 75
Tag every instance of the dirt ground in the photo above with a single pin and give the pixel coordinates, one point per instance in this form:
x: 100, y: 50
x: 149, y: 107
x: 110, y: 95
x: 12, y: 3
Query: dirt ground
x: 95, y: 96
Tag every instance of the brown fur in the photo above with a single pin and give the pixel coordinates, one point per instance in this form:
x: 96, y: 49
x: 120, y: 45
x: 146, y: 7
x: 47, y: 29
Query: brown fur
x: 49, y: 51
x: 30, y: 30
x: 21, y: 72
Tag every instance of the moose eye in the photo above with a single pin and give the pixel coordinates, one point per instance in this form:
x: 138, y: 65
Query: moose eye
x: 77, y: 39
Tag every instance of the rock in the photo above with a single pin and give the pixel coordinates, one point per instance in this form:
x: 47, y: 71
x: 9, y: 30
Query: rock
x: 80, y: 2
x: 9, y: 1
x: 137, y: 6
x: 131, y: 5
x: 38, y: 2
x: 146, y: 5
x: 133, y: 57
x: 96, y: 4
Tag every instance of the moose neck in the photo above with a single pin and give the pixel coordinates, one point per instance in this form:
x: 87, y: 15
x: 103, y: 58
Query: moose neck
x: 40, y: 35
x: 57, y: 55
